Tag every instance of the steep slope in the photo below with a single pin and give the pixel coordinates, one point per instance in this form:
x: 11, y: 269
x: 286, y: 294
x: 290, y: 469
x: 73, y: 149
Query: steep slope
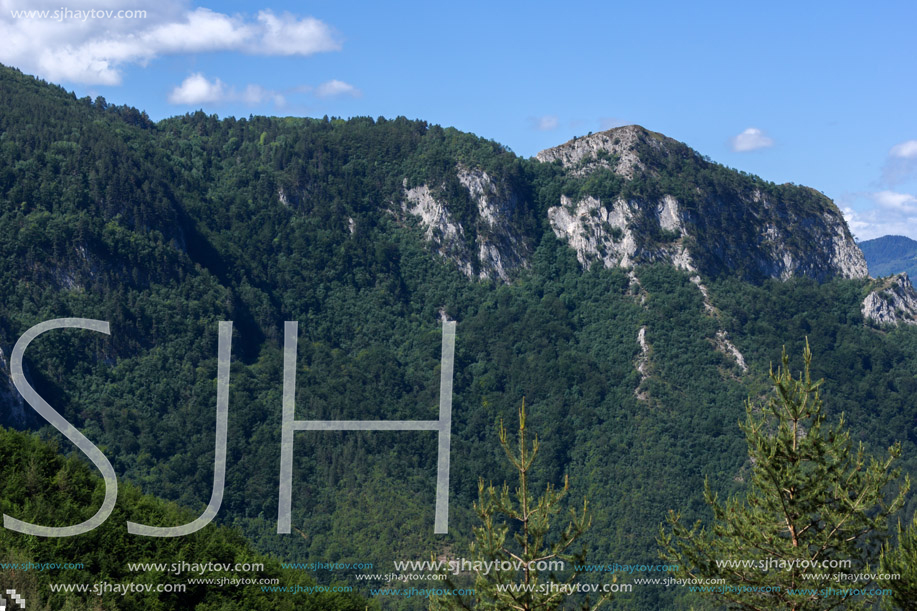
x: 497, y: 248
x: 643, y: 198
x: 892, y: 301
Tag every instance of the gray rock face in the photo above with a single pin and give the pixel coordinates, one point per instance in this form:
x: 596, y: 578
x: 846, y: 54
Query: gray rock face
x: 731, y: 222
x: 440, y: 229
x: 614, y: 149
x: 892, y: 303
x: 607, y: 233
x: 829, y: 249
x: 498, y: 249
x: 724, y: 345
x: 846, y: 256
x: 675, y: 207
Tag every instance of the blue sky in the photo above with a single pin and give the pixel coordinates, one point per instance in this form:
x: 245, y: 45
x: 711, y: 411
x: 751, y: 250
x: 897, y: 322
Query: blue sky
x: 821, y: 94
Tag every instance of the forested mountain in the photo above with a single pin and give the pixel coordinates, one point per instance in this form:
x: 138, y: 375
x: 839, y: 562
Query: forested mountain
x: 633, y: 291
x: 100, y: 558
x: 890, y: 254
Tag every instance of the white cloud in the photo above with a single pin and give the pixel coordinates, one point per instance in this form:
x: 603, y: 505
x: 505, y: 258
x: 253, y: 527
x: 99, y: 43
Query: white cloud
x: 202, y: 30
x: 905, y: 150
x: 287, y: 35
x: 544, y: 123
x: 198, y: 90
x: 904, y: 202
x: 334, y: 88
x: 853, y: 220
x: 882, y: 213
x: 750, y: 140
x: 97, y: 50
x: 871, y: 224
x: 901, y: 163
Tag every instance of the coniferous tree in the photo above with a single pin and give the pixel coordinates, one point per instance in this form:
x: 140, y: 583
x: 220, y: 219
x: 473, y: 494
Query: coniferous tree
x: 901, y: 561
x: 500, y: 587
x: 812, y: 505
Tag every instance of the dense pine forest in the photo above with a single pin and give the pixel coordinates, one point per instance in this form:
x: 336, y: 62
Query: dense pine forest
x: 166, y: 228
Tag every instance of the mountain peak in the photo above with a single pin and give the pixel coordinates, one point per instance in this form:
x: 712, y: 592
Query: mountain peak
x: 619, y: 198
x: 675, y: 205
x: 615, y: 149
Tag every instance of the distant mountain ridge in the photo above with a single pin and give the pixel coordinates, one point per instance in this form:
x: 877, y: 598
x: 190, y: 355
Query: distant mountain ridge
x: 890, y: 254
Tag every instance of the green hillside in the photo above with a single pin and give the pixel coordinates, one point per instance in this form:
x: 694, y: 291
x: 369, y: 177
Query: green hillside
x: 41, y: 486
x: 164, y: 229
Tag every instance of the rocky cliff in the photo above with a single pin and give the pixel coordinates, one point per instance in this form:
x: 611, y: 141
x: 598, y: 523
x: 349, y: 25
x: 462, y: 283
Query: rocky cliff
x: 495, y: 248
x: 646, y: 198
x: 629, y: 196
x: 893, y: 301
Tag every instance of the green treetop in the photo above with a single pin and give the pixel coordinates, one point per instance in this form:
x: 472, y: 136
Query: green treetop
x: 902, y: 562
x: 529, y: 587
x: 812, y: 504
